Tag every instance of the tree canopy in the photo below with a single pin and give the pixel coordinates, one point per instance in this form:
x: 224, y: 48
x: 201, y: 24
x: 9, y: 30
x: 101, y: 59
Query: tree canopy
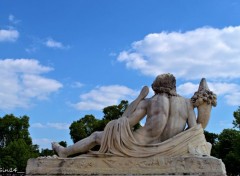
x: 236, y: 121
x: 15, y: 142
x: 12, y: 128
x: 226, y: 145
x: 228, y: 148
x: 83, y: 127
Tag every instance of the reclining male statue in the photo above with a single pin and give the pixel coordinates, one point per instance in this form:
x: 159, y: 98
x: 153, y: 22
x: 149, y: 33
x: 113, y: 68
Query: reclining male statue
x: 167, y: 116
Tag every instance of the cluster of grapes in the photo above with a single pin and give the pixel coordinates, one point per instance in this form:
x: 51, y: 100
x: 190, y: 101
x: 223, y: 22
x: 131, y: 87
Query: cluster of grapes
x: 202, y: 96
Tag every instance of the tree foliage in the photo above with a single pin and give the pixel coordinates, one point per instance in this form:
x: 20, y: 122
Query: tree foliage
x: 63, y: 143
x: 46, y: 152
x: 83, y: 127
x: 12, y: 128
x: 19, y: 152
x: 228, y: 149
x: 114, y: 111
x: 236, y: 115
x: 211, y: 137
x: 226, y: 146
x: 15, y: 142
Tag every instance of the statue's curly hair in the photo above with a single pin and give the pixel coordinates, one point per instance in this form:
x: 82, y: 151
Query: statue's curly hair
x: 165, y: 83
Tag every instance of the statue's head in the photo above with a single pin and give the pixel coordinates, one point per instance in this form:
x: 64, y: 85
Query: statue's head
x: 165, y: 83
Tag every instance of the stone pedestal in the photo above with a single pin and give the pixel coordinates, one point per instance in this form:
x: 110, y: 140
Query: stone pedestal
x: 184, y: 165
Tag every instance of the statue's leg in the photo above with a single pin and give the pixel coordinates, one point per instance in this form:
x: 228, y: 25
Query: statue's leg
x: 81, y: 146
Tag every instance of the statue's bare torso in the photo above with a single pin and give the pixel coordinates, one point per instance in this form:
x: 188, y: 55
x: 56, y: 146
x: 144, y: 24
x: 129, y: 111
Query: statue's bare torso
x: 166, y: 117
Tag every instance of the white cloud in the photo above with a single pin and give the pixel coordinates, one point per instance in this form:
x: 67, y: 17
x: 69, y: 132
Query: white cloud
x: 187, y: 88
x: 55, y: 44
x: 224, y: 88
x: 8, y: 35
x: 38, y: 86
x: 103, y: 96
x: 230, y: 91
x: 31, y: 49
x: 203, y: 52
x: 38, y: 125
x: 58, y: 126
x: 218, y: 88
x: 233, y: 99
x: 22, y: 82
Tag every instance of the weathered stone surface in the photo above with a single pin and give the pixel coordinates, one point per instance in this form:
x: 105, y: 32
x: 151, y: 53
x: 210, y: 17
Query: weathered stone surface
x: 186, y: 165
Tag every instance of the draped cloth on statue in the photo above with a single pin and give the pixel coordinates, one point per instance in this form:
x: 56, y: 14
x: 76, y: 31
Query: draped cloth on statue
x: 118, y: 140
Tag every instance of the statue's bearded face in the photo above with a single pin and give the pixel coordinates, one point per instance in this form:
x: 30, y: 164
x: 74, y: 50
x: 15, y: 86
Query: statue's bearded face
x: 165, y: 83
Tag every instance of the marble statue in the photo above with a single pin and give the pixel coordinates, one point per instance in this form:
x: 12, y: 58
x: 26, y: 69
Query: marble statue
x: 170, y: 124
x: 171, y: 142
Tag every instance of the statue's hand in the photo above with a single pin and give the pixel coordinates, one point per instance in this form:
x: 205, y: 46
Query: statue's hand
x: 204, y: 95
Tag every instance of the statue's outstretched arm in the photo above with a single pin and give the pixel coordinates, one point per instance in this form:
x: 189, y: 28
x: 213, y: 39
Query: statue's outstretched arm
x: 204, y: 99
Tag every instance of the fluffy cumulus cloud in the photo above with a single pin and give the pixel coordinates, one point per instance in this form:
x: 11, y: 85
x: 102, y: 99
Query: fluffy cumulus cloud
x: 22, y: 81
x: 103, y: 96
x: 203, y: 52
x: 8, y: 35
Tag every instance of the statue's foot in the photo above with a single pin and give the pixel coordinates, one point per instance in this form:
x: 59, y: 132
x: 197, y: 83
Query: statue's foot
x: 59, y: 149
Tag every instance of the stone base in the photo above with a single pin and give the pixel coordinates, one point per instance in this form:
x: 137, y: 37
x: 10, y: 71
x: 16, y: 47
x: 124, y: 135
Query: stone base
x: 189, y: 165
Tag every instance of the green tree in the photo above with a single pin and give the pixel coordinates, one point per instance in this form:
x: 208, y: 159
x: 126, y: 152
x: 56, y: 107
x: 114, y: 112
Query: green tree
x: 114, y: 111
x: 83, y: 127
x: 19, y: 152
x: 228, y: 148
x: 15, y: 142
x: 236, y: 115
x: 63, y: 143
x: 46, y: 152
x: 12, y: 128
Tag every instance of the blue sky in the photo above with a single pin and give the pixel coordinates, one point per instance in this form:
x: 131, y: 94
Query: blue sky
x: 61, y: 60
